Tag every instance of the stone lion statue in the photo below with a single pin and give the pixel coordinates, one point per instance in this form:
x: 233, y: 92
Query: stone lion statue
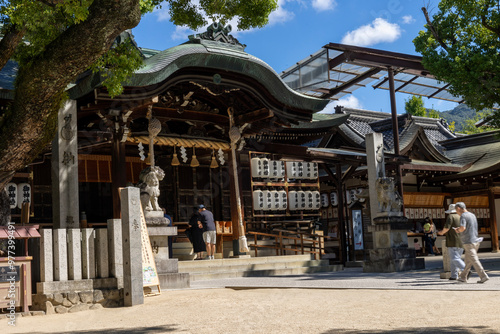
x: 388, y: 198
x: 149, y: 183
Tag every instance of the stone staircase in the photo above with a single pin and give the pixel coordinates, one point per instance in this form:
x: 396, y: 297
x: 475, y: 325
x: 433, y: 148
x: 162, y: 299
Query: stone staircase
x: 255, y: 267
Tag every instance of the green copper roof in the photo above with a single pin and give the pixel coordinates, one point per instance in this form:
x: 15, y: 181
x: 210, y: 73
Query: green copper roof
x: 214, y: 55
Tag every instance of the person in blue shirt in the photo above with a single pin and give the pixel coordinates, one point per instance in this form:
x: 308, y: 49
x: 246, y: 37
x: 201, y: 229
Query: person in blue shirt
x: 209, y: 234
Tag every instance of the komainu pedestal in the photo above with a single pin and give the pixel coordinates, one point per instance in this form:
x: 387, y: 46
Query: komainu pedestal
x: 391, y: 252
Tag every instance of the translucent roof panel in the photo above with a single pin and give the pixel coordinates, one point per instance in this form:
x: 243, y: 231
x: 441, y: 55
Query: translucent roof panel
x: 337, y: 69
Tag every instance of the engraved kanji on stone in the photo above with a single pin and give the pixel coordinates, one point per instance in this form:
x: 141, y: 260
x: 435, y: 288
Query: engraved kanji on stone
x: 68, y: 158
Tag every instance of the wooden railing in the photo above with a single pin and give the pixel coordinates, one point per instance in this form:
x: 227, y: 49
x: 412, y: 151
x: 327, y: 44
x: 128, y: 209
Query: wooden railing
x: 291, y: 241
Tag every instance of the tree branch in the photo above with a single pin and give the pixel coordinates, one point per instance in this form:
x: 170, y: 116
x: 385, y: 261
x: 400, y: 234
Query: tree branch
x: 11, y: 39
x: 433, y: 29
x: 29, y: 124
x: 494, y: 30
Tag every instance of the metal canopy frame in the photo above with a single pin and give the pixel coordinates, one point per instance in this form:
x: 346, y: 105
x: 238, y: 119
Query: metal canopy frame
x: 338, y: 69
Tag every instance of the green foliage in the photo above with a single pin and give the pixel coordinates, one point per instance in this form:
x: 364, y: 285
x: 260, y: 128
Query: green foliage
x: 470, y: 127
x: 250, y: 13
x: 41, y: 23
x: 415, y: 106
x: 451, y: 126
x: 117, y: 65
x: 433, y: 113
x: 461, y: 46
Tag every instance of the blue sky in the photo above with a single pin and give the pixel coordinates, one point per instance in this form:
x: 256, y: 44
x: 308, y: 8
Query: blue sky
x: 301, y: 27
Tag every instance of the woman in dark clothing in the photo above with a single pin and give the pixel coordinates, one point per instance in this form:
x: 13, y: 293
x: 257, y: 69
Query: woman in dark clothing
x: 197, y: 235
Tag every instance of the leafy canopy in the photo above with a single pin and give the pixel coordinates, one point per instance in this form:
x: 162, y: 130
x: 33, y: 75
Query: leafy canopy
x: 461, y: 46
x: 42, y: 22
x: 469, y: 127
x: 415, y: 106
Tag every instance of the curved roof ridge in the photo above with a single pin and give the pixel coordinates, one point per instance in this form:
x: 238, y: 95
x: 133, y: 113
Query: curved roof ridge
x: 213, y: 55
x: 416, y: 132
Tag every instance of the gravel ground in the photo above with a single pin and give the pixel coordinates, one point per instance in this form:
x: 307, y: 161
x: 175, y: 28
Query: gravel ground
x: 344, y: 302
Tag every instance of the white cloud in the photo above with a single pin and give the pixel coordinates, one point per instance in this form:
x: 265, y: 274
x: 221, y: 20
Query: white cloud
x: 407, y: 19
x: 280, y: 15
x: 181, y: 33
x: 349, y: 101
x: 378, y: 31
x: 162, y: 14
x: 323, y: 5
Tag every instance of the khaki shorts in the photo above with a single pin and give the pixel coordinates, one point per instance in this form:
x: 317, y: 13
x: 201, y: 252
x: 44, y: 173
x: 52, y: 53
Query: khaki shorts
x: 209, y: 237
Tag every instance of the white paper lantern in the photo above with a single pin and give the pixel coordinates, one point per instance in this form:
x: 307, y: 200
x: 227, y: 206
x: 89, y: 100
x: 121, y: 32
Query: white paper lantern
x: 293, y: 198
x: 291, y: 169
x: 309, y: 200
x: 302, y: 200
x: 23, y: 194
x: 277, y: 169
x: 316, y: 200
x: 256, y: 167
x: 268, y: 202
x: 334, y: 198
x: 11, y: 189
x: 282, y: 199
x: 275, y: 200
x: 258, y: 200
x: 324, y: 200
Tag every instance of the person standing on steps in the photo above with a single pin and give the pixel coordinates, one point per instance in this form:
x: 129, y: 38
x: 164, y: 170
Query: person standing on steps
x: 470, y: 239
x: 209, y: 234
x: 196, y: 233
x: 453, y: 242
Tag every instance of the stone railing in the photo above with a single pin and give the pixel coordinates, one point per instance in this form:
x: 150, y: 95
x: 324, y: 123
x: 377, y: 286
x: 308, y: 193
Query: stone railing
x: 80, y: 269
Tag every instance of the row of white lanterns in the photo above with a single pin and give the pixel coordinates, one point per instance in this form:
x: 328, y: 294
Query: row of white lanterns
x: 332, y: 198
x: 275, y: 169
x: 18, y: 194
x: 277, y: 200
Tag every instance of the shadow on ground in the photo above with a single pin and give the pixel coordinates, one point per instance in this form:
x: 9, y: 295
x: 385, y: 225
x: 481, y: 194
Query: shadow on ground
x: 138, y: 330
x: 445, y: 330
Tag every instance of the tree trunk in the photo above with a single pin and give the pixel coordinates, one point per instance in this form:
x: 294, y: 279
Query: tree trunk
x: 29, y: 125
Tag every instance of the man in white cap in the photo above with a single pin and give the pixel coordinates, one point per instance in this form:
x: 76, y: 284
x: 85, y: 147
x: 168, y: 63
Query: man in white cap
x: 470, y: 241
x: 453, y: 242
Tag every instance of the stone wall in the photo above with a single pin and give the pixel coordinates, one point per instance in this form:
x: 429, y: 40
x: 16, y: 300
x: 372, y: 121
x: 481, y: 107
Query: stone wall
x: 69, y: 302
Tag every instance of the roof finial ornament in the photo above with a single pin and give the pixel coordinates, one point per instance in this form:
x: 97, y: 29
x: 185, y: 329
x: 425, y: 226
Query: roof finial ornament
x: 339, y: 109
x: 219, y: 33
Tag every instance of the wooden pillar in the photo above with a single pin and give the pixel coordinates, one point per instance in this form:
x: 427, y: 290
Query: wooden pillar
x: 236, y: 206
x: 493, y: 221
x: 119, y: 176
x: 342, y: 230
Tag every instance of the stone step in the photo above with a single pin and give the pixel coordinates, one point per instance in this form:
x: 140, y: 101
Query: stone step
x: 210, y: 266
x: 263, y: 273
x: 243, y: 261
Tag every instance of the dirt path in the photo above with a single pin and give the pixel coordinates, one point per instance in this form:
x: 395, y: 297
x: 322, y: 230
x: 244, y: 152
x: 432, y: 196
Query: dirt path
x: 284, y: 311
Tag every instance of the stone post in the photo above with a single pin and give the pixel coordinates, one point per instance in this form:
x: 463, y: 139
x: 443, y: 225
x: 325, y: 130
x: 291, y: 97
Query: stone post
x: 74, y: 254
x: 88, y: 253
x: 60, y: 255
x: 65, y: 169
x: 46, y: 256
x: 115, y: 247
x: 389, y: 226
x: 101, y: 249
x: 133, y: 293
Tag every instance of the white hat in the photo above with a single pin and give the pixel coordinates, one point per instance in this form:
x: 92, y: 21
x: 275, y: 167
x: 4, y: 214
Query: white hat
x: 451, y: 209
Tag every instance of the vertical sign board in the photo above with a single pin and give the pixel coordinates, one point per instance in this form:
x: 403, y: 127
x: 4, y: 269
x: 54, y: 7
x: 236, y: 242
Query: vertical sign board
x: 357, y: 228
x: 149, y: 272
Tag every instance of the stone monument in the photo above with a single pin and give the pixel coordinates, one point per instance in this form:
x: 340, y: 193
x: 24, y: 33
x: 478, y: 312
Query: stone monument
x: 390, y: 251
